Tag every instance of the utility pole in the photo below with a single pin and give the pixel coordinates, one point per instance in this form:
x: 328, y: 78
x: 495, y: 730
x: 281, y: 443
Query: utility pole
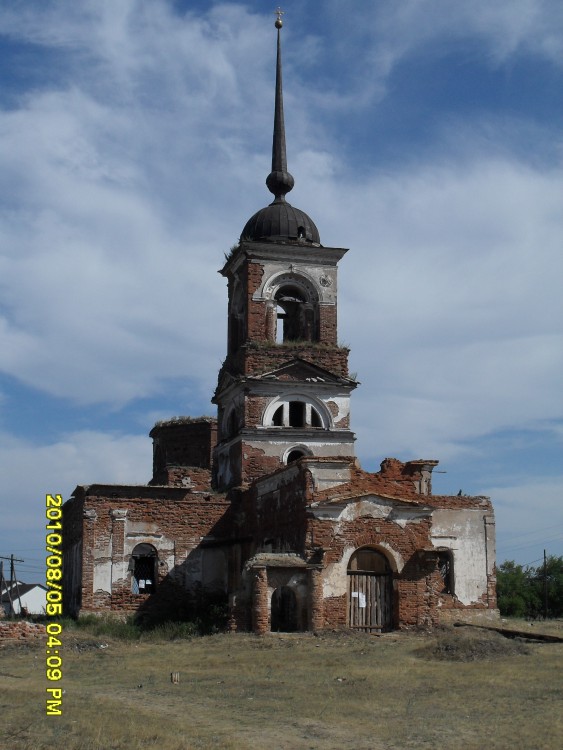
x: 13, y: 580
x: 4, y: 585
x: 544, y: 585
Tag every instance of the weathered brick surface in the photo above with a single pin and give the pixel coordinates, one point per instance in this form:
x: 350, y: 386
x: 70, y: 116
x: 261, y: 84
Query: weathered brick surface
x: 252, y: 359
x: 170, y: 513
x: 192, y: 478
x: 316, y: 613
x: 183, y: 442
x: 328, y: 332
x: 256, y: 324
x: 277, y: 518
x: 254, y: 410
x: 255, y: 463
x: 21, y: 631
x: 260, y: 602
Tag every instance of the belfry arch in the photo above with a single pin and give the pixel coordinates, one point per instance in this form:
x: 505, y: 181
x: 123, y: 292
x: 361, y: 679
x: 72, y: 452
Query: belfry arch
x: 293, y: 311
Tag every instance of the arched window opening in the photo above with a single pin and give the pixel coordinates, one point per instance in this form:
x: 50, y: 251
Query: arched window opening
x: 296, y: 414
x: 315, y: 418
x: 284, y: 610
x: 277, y: 419
x: 294, y: 316
x: 143, y: 568
x: 446, y: 570
x: 295, y: 455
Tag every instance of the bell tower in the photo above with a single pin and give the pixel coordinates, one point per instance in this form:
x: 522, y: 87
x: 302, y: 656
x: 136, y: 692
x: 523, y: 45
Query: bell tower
x: 283, y: 390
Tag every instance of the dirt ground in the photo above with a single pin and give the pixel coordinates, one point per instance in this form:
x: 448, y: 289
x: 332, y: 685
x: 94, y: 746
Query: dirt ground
x: 453, y: 688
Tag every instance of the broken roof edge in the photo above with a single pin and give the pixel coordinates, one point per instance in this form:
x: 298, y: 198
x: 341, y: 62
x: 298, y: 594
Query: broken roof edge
x: 356, y: 496
x: 150, y: 489
x: 464, y: 501
x: 183, y: 420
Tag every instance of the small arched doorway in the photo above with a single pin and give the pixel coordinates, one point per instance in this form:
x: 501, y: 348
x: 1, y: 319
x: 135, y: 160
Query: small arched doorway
x: 284, y: 610
x: 370, y: 599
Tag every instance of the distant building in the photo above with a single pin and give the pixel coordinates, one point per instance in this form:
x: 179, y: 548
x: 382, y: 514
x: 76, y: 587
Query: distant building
x: 265, y: 507
x: 23, y: 598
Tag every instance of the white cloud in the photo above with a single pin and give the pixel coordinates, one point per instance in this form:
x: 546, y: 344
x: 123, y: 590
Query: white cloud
x: 457, y: 270
x: 506, y: 26
x: 30, y: 470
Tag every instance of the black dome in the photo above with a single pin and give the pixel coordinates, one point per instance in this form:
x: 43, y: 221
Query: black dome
x: 281, y: 221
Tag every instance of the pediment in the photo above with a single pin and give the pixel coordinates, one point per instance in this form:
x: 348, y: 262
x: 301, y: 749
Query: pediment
x: 299, y: 370
x: 369, y: 505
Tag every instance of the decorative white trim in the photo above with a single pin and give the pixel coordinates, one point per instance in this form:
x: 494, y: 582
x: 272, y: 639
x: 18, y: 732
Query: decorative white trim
x: 298, y: 278
x: 297, y: 447
x: 284, y: 400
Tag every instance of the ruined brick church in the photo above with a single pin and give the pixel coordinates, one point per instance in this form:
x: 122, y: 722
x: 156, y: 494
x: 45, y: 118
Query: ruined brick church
x: 265, y: 507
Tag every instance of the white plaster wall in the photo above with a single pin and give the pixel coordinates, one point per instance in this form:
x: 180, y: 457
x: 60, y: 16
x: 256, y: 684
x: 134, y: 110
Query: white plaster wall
x: 326, y: 475
x: 323, y: 448
x: 342, y: 401
x: 463, y: 532
x: 102, y: 568
x: 107, y: 573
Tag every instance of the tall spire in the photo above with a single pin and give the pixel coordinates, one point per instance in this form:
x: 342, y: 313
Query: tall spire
x: 279, y: 181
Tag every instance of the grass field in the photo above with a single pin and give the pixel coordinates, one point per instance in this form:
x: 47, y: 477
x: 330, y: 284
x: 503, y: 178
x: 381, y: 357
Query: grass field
x: 458, y: 688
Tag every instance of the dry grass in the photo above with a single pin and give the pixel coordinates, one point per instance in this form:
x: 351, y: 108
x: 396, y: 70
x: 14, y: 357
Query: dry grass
x: 451, y: 689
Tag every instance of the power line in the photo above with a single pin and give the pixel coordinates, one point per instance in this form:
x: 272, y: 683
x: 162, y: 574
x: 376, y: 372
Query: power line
x: 526, y: 534
x: 533, y: 561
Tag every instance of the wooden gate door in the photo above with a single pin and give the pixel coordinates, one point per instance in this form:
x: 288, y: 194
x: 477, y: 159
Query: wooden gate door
x: 370, y: 602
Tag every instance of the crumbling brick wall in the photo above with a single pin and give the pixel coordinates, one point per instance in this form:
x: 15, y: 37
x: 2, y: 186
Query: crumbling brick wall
x: 179, y: 523
x: 21, y: 631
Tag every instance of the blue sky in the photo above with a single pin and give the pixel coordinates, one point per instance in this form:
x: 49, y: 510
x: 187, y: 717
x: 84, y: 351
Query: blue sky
x: 425, y: 135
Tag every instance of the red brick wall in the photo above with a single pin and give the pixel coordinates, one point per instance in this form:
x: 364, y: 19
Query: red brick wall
x: 256, y: 311
x: 183, y: 443
x: 254, y: 409
x: 21, y: 630
x: 174, y: 513
x: 413, y: 604
x: 253, y: 359
x: 256, y: 464
x: 184, y: 476
x: 328, y: 330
